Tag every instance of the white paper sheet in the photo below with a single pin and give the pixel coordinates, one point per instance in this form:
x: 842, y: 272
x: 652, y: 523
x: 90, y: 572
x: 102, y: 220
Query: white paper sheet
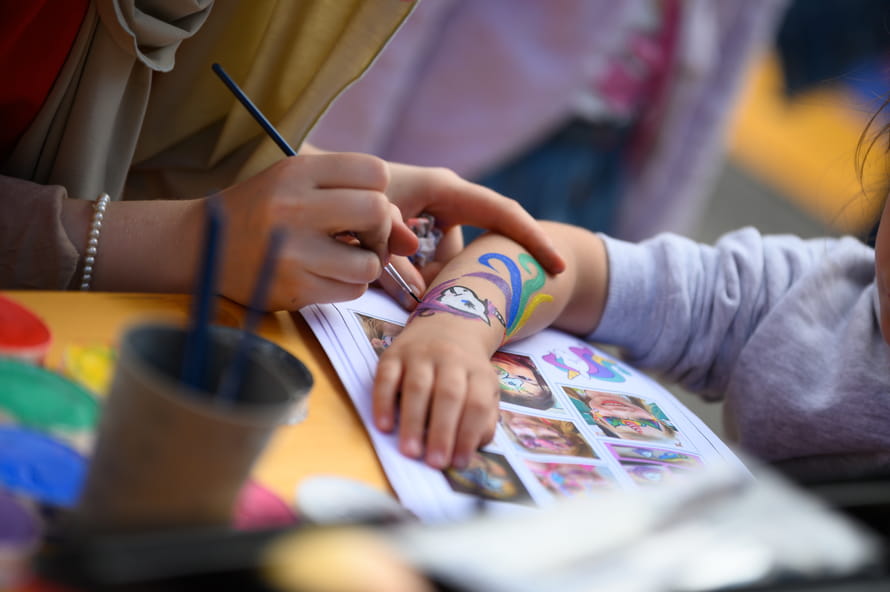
x: 610, y: 426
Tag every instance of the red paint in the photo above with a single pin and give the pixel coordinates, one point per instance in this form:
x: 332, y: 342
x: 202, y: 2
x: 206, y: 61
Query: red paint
x: 23, y: 334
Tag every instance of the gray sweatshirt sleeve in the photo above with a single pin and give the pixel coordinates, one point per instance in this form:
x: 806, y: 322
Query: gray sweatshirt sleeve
x: 686, y: 310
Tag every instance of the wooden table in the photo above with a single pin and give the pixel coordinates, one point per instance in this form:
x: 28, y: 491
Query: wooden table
x: 331, y: 441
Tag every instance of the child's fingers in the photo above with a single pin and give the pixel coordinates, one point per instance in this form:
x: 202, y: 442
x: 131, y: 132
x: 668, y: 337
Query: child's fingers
x: 417, y: 384
x: 386, y: 390
x: 479, y: 419
x: 445, y: 415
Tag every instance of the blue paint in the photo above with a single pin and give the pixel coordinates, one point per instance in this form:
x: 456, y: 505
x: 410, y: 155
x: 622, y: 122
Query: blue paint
x: 515, y: 282
x: 40, y: 467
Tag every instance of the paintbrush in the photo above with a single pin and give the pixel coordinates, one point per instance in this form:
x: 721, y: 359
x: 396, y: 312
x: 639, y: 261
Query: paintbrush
x: 197, y: 339
x: 234, y: 374
x: 289, y: 151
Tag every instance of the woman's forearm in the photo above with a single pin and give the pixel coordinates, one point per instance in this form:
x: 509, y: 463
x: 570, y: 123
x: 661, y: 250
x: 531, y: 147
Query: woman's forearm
x: 144, y: 246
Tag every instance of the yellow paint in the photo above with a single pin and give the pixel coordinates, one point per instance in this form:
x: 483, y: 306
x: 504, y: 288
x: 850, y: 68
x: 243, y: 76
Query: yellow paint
x: 90, y: 365
x: 529, y: 309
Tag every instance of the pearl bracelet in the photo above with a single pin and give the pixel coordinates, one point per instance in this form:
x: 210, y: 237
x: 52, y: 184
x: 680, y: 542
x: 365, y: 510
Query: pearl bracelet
x: 89, y: 259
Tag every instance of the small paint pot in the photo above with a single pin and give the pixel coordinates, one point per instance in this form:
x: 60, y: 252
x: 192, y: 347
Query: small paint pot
x: 45, y: 401
x: 23, y: 335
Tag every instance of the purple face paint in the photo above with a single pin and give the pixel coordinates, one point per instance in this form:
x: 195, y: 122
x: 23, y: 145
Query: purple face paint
x: 21, y: 530
x: 20, y: 526
x: 457, y: 300
x: 39, y: 467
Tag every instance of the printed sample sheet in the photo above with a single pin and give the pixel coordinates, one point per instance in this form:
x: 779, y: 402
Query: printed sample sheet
x: 573, y: 420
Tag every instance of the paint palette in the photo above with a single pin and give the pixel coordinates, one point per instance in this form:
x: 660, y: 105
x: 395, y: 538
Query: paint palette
x: 47, y: 423
x: 46, y: 427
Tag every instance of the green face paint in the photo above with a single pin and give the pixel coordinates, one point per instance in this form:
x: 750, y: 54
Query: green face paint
x: 42, y: 400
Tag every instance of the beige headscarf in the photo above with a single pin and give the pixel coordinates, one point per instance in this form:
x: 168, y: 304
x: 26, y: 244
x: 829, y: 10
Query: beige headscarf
x: 119, y: 99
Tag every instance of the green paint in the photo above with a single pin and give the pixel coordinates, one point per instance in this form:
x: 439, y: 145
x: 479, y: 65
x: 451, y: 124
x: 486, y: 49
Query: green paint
x: 39, y: 399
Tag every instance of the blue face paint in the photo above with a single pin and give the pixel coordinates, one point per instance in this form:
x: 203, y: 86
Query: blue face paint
x: 40, y: 467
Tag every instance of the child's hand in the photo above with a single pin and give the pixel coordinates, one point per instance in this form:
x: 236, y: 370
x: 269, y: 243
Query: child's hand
x: 454, y: 200
x: 446, y: 391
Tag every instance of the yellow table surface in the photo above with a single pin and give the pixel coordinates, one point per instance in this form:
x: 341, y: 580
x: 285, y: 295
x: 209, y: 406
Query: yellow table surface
x: 332, y: 439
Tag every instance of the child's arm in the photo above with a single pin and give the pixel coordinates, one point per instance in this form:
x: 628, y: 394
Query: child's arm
x: 437, y: 371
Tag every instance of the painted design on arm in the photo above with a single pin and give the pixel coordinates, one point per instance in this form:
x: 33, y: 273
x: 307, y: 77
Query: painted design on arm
x: 459, y: 300
x: 522, y: 297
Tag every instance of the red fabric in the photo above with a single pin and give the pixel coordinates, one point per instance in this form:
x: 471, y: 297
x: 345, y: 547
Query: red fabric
x: 35, y: 38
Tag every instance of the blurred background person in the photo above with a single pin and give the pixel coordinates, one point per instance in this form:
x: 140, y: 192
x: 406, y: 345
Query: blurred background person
x: 609, y: 115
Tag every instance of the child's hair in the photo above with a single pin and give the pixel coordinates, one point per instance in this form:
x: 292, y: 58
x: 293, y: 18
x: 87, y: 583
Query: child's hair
x: 873, y: 134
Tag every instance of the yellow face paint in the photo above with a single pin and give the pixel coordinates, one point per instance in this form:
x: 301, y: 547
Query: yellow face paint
x: 90, y: 365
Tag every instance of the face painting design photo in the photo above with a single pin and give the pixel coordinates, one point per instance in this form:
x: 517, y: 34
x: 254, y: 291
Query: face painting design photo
x: 488, y: 476
x: 565, y: 480
x: 647, y: 474
x: 656, y: 455
x: 623, y: 416
x: 544, y: 435
x: 520, y: 382
x: 380, y: 333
